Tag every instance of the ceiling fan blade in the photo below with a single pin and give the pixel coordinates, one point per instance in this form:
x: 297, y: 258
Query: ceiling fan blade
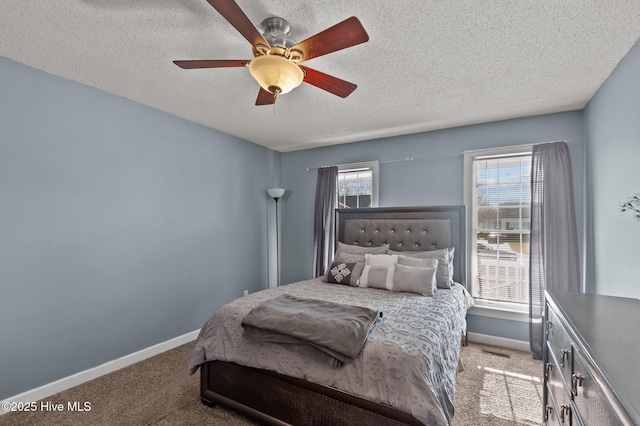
x: 327, y: 82
x: 230, y: 11
x: 345, y: 34
x: 210, y: 63
x: 265, y: 98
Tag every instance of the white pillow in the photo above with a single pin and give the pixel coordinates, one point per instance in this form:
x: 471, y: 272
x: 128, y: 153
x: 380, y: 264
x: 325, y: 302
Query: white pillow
x: 386, y: 260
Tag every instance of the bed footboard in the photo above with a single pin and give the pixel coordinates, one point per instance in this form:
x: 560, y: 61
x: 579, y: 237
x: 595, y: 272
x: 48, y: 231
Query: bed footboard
x: 274, y: 399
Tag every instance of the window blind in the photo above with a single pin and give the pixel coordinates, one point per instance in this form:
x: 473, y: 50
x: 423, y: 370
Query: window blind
x: 501, y: 227
x: 355, y: 188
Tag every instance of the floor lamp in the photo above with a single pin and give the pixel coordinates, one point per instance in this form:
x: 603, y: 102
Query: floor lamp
x: 276, y: 194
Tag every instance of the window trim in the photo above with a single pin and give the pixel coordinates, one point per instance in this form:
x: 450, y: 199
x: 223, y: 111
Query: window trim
x: 483, y: 307
x: 375, y: 167
x: 502, y: 310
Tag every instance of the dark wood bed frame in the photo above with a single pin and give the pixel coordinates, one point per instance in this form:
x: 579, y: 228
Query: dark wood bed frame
x: 275, y: 399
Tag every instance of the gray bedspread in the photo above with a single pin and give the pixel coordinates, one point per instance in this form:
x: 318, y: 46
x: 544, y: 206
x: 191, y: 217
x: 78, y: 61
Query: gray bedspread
x: 328, y: 331
x: 409, y: 362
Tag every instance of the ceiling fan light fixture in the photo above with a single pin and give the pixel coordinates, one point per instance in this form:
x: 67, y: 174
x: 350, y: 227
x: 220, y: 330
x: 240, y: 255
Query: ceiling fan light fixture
x: 276, y: 74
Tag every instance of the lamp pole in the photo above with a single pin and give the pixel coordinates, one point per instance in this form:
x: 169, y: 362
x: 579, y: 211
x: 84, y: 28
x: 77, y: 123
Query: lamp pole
x: 276, y: 194
x: 277, y: 245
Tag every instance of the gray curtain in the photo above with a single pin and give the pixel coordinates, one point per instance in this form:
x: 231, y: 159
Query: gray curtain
x: 324, y: 219
x: 554, y: 257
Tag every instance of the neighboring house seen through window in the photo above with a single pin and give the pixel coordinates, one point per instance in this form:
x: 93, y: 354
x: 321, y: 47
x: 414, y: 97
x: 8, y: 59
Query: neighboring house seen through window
x: 358, y: 185
x: 498, y: 198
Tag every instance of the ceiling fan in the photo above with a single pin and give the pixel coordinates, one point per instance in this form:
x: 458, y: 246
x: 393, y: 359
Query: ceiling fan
x: 276, y: 55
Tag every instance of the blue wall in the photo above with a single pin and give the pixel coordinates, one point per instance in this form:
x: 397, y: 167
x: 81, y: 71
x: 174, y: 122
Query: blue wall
x: 612, y: 130
x: 434, y: 181
x: 428, y: 181
x: 120, y: 226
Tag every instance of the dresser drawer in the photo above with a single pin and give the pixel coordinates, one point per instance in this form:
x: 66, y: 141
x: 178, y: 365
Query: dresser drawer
x: 590, y: 338
x: 588, y: 396
x: 558, y: 390
x: 551, y: 410
x: 559, y: 344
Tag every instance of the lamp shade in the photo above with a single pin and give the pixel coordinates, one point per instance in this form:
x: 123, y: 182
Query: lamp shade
x: 275, y: 192
x: 276, y: 74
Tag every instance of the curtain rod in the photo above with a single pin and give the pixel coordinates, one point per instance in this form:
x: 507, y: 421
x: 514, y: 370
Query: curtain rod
x: 498, y: 148
x: 407, y: 159
x: 361, y: 162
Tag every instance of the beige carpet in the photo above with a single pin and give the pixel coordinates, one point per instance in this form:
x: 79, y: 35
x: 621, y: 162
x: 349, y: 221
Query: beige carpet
x: 497, y: 390
x: 492, y: 390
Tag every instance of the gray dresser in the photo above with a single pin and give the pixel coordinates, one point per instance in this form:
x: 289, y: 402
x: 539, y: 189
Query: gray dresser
x: 592, y: 360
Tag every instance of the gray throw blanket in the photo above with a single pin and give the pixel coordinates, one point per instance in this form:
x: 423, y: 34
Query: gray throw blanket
x: 328, y: 331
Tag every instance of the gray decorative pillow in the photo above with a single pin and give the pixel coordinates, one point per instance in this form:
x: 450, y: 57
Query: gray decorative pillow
x: 377, y: 277
x: 344, y: 273
x: 452, y: 251
x: 416, y: 261
x: 349, y: 257
x: 355, y: 249
x: 444, y: 272
x: 354, y: 253
x: 414, y: 279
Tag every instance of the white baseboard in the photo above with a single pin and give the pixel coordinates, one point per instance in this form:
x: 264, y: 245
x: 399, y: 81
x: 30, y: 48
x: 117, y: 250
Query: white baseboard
x: 111, y: 366
x: 519, y: 345
x: 95, y: 372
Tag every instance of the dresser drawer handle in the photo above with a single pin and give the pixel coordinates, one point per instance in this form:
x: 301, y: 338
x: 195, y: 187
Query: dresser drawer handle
x: 565, y: 355
x: 576, y: 380
x: 548, y: 369
x: 564, y: 409
x: 548, y: 409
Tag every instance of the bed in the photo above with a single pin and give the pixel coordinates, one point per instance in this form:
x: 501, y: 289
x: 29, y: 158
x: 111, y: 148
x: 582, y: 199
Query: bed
x: 406, y: 371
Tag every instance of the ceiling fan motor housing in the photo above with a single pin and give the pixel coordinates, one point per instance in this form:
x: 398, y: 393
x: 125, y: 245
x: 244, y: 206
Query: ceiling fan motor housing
x: 276, y: 31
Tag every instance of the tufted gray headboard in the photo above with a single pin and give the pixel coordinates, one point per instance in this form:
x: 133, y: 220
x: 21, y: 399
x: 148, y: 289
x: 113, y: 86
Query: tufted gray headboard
x: 407, y: 229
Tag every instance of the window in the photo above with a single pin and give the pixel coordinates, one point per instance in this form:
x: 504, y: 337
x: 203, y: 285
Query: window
x: 358, y: 185
x: 498, y: 197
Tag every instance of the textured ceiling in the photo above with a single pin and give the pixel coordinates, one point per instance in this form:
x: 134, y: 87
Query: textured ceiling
x: 429, y: 64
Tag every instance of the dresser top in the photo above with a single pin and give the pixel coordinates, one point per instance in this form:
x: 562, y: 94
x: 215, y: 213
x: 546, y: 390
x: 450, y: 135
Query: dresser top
x: 608, y: 328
